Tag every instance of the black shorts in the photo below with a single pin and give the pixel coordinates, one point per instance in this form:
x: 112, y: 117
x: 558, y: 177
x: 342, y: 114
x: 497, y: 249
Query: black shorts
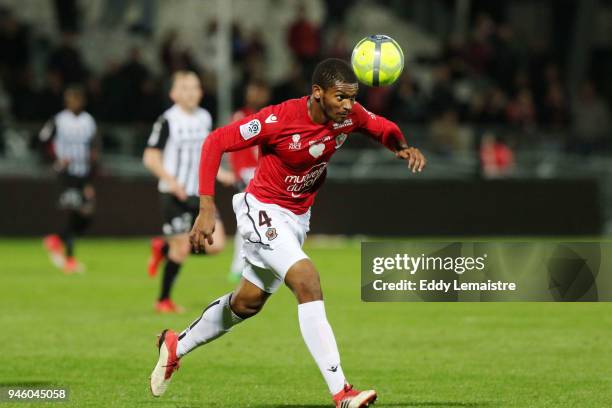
x: 72, y: 195
x: 178, y: 216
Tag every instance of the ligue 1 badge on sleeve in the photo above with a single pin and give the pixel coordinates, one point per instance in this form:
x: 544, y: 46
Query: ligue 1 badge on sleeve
x: 271, y: 233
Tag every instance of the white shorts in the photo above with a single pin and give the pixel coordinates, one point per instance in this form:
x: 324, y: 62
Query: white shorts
x: 273, y: 238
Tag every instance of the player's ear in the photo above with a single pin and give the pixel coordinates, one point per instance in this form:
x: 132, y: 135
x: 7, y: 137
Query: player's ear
x: 317, y: 92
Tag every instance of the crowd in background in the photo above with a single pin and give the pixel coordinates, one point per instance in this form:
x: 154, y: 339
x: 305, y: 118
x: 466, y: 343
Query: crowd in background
x: 485, y: 79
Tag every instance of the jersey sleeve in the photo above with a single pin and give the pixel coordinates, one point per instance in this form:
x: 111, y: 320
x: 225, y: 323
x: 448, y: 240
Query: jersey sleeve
x: 257, y: 129
x: 47, y: 133
x: 159, y: 134
x: 380, y: 129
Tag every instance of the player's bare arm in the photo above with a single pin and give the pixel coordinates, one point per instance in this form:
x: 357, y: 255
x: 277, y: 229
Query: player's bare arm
x: 225, y: 177
x: 204, y: 225
x: 152, y: 160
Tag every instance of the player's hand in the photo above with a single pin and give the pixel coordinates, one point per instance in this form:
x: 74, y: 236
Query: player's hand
x: 178, y: 190
x: 204, y: 225
x: 416, y: 160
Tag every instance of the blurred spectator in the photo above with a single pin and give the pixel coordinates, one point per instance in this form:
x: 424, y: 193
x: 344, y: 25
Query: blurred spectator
x: 338, y: 46
x: 495, y: 106
x: 14, y: 43
x: 134, y: 73
x: 294, y: 86
x: 68, y: 16
x: 446, y: 136
x: 505, y: 61
x: 520, y: 111
x: 455, y: 54
x: 51, y: 97
x: 176, y: 57
x: 496, y: 157
x: 407, y: 102
x: 480, y: 51
x: 442, y: 95
x: 304, y: 40
x: 66, y: 60
x: 114, y: 94
x: 592, y: 120
x: 555, y: 111
x: 115, y: 10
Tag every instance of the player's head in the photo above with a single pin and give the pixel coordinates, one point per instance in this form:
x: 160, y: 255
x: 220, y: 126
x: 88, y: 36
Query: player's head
x: 334, y: 88
x: 186, y: 89
x: 74, y: 98
x: 257, y: 94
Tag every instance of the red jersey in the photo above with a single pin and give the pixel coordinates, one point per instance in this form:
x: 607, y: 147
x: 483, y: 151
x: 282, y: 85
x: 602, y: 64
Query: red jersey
x: 243, y: 161
x: 295, y: 151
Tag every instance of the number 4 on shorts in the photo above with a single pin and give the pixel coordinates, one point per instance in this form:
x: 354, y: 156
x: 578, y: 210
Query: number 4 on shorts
x: 264, y: 219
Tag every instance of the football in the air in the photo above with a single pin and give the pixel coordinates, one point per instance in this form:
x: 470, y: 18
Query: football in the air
x: 377, y: 60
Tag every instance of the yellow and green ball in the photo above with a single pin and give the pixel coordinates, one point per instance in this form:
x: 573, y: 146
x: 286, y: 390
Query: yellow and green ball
x: 377, y: 60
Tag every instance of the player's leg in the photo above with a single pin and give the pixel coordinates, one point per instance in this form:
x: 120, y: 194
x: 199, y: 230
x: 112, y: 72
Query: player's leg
x: 303, y: 280
x: 216, y: 320
x: 220, y: 315
x: 178, y: 250
x: 238, y: 261
x: 79, y: 220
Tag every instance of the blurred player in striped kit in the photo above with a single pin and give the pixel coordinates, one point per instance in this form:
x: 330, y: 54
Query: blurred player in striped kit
x: 71, y: 134
x: 173, y: 156
x: 244, y: 161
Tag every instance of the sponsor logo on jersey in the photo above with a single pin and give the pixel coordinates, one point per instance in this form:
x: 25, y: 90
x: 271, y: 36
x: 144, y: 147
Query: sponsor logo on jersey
x: 340, y: 139
x: 295, y: 144
x: 297, y: 185
x: 271, y: 233
x: 250, y: 129
x: 346, y: 123
x: 271, y: 119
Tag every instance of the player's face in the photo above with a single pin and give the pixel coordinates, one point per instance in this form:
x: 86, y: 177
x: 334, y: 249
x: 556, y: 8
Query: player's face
x: 187, y: 92
x: 338, y: 100
x: 74, y: 101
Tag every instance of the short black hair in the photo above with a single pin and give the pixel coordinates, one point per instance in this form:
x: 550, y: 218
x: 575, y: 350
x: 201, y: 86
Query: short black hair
x: 331, y: 71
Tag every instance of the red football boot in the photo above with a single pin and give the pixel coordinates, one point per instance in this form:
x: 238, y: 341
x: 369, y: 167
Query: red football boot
x: 168, y: 306
x: 351, y: 398
x: 73, y: 266
x: 55, y: 247
x: 157, y: 244
x: 167, y: 363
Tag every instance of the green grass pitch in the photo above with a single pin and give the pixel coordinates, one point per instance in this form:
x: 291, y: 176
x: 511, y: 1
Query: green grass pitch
x: 95, y: 334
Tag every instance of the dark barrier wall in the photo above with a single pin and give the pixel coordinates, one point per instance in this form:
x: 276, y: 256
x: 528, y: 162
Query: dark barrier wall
x: 131, y: 207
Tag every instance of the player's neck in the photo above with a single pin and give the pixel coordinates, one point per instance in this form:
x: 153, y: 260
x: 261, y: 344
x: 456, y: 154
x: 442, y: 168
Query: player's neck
x: 315, y: 112
x: 187, y: 110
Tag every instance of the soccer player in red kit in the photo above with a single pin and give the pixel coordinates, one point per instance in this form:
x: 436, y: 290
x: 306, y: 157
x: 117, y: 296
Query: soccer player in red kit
x: 297, y: 139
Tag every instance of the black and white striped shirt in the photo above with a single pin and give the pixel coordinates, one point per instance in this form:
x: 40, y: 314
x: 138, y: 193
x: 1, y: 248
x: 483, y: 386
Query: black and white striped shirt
x: 180, y: 135
x: 73, y: 136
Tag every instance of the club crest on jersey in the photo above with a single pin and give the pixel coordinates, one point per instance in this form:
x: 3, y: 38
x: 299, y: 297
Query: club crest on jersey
x: 295, y: 144
x: 340, y: 139
x: 346, y: 123
x: 316, y: 150
x: 271, y: 233
x: 250, y: 129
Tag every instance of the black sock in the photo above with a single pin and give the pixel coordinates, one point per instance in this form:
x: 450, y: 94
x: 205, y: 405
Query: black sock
x: 76, y: 224
x: 171, y: 270
x: 165, y: 249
